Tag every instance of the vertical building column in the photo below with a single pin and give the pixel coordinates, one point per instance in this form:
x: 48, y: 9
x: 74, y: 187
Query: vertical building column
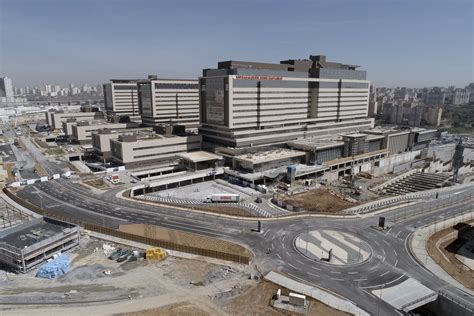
x: 230, y: 101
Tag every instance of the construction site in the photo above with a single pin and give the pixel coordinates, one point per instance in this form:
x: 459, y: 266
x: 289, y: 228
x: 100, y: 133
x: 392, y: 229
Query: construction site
x: 149, y: 281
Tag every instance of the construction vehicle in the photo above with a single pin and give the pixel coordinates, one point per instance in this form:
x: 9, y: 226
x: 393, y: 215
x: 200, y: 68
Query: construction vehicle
x: 223, y: 198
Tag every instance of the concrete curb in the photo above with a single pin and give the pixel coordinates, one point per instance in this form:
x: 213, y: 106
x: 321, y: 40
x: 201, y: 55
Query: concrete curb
x: 23, y: 209
x: 417, y: 246
x: 322, y: 295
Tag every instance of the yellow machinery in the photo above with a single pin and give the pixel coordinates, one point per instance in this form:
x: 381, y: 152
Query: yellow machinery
x: 155, y: 254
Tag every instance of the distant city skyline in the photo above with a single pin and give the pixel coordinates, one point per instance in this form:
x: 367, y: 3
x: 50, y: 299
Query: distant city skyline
x: 400, y: 43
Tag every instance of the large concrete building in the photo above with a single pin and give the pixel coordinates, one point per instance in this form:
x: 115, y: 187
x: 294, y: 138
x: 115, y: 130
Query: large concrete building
x: 81, y: 132
x: 169, y: 101
x: 163, y: 147
x: 27, y: 245
x: 55, y: 119
x: 247, y: 103
x: 121, y: 98
x: 101, y: 140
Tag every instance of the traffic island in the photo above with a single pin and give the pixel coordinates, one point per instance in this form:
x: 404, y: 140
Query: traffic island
x: 333, y: 247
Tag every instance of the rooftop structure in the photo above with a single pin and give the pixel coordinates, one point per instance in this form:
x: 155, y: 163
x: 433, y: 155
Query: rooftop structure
x: 268, y: 159
x: 82, y: 131
x: 26, y: 245
x: 101, y: 139
x: 55, y: 119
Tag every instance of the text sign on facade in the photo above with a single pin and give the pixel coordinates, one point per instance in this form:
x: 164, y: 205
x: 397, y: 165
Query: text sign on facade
x: 257, y: 78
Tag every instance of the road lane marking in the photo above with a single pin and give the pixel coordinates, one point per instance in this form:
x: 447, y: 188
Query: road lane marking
x: 385, y: 273
x: 352, y: 272
x: 383, y: 284
x: 337, y: 279
x: 292, y: 266
x: 315, y: 275
x: 358, y: 280
x: 278, y: 255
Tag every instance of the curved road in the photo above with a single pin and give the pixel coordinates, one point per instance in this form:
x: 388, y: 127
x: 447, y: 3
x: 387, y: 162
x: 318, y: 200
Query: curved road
x: 389, y: 264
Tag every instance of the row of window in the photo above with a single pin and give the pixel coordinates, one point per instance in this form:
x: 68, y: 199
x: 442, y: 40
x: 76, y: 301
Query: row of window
x: 180, y: 86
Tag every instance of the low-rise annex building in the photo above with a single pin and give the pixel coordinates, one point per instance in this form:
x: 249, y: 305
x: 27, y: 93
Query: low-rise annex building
x: 162, y: 147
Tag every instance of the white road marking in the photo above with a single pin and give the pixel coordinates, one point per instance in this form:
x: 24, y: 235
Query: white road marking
x: 352, y: 272
x: 315, y: 275
x: 385, y: 273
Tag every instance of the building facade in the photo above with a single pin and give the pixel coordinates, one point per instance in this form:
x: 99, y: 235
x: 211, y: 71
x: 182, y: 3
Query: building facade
x: 6, y: 90
x: 246, y: 103
x: 121, y: 98
x: 55, y: 119
x: 133, y: 150
x: 169, y: 101
x: 460, y: 96
x: 81, y: 132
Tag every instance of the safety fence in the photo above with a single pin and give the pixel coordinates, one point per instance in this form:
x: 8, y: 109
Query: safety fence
x: 227, y: 256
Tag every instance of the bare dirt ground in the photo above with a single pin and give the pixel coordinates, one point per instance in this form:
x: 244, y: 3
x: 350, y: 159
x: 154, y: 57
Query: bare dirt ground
x: 97, y: 183
x: 174, y: 286
x: 226, y: 210
x: 444, y: 254
x: 318, y: 200
x: 184, y: 238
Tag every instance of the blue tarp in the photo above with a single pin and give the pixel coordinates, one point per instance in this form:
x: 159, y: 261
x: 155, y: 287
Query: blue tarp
x: 54, y: 268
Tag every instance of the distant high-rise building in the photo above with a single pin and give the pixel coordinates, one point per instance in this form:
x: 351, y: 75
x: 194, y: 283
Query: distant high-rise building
x: 460, y: 96
x: 435, y: 96
x: 432, y: 115
x: 6, y: 90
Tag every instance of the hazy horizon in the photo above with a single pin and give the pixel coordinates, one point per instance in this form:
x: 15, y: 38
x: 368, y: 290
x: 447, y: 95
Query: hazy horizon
x: 399, y: 43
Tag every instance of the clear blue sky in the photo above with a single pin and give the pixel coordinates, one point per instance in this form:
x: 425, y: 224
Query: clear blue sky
x: 400, y: 43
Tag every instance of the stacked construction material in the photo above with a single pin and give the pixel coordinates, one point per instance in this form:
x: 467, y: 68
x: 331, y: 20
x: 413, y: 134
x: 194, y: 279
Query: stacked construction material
x: 155, y: 254
x: 54, y: 268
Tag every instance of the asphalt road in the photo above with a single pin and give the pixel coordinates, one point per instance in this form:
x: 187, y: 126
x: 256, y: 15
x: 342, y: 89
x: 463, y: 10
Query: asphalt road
x: 389, y: 264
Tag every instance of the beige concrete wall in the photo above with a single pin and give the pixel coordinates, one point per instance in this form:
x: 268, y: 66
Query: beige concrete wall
x: 58, y: 118
x: 83, y: 134
x: 153, y: 149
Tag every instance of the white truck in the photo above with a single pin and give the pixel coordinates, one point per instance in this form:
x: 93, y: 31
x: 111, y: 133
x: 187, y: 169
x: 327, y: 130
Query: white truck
x: 223, y: 198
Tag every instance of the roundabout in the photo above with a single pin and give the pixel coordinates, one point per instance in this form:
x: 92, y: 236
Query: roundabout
x: 333, y: 247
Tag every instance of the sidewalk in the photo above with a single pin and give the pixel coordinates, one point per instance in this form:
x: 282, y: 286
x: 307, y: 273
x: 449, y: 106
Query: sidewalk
x: 316, y: 293
x: 418, y: 248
